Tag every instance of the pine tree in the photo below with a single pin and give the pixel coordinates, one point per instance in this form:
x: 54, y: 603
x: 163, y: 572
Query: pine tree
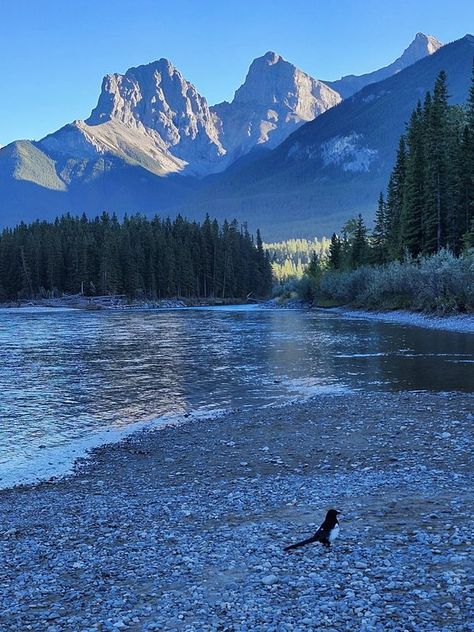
x: 467, y: 164
x: 359, y: 251
x: 412, y: 216
x: 458, y: 178
x: 436, y: 185
x: 314, y: 268
x: 470, y: 103
x: 136, y: 257
x: 379, y: 234
x: 335, y: 253
x: 395, y: 203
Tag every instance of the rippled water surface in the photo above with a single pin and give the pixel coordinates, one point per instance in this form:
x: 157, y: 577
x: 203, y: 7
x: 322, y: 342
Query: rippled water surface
x: 67, y: 374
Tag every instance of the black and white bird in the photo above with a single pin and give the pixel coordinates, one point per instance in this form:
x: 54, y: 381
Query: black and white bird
x: 326, y: 534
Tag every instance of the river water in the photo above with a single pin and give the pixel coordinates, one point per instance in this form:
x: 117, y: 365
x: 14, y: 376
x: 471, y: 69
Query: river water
x: 71, y: 379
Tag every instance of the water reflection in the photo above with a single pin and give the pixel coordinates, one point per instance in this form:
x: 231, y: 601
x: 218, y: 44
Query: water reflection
x: 66, y: 374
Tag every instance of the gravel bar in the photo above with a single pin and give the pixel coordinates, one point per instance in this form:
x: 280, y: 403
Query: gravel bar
x: 183, y: 528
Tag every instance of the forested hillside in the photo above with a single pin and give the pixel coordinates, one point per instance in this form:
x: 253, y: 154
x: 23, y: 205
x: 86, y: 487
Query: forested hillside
x: 429, y: 203
x: 420, y: 253
x: 137, y: 257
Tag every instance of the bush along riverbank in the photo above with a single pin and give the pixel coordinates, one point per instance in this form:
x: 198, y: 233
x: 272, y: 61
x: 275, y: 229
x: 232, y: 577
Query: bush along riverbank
x: 442, y: 283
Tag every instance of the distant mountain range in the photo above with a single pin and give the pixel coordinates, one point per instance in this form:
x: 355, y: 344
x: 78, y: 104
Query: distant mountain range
x: 335, y: 166
x: 290, y: 153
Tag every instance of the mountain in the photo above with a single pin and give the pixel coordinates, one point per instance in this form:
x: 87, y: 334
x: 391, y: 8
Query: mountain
x: 421, y: 46
x: 335, y: 166
x: 151, y: 137
x: 150, y: 116
x: 153, y: 143
x: 274, y: 100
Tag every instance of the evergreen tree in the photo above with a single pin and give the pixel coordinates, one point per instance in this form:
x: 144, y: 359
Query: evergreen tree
x: 412, y: 216
x: 436, y: 168
x: 430, y: 194
x: 335, y: 253
x: 359, y: 249
x: 314, y: 268
x: 379, y: 234
x: 136, y: 257
x: 395, y: 203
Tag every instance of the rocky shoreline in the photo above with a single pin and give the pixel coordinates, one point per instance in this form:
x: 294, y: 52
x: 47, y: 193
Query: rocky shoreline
x: 183, y: 528
x: 463, y: 323
x: 79, y: 301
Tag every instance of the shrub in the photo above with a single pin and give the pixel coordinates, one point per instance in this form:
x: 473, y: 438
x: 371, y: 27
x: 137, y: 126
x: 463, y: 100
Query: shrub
x: 441, y: 282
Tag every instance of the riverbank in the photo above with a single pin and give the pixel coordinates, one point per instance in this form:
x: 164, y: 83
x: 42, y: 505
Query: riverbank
x: 79, y: 301
x: 463, y: 323
x: 183, y: 528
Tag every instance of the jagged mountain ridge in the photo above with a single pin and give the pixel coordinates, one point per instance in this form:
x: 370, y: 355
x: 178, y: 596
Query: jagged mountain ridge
x: 335, y: 166
x: 151, y: 122
x: 265, y: 112
x: 152, y: 116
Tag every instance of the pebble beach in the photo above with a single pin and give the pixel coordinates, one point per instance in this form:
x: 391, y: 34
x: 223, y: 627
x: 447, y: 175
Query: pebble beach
x: 183, y: 528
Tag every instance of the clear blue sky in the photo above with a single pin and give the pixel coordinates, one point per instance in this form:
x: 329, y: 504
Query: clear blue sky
x: 54, y: 53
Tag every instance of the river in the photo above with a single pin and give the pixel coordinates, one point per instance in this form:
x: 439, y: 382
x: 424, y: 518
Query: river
x: 72, y: 379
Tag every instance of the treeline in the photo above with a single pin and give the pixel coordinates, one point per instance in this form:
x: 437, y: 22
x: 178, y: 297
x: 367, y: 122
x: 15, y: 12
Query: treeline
x: 137, y: 257
x: 291, y: 257
x: 430, y: 195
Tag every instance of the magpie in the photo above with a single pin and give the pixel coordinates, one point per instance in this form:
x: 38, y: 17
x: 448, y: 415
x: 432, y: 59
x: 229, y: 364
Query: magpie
x: 326, y: 534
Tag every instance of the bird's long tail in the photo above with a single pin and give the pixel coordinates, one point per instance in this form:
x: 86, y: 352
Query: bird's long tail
x: 302, y: 543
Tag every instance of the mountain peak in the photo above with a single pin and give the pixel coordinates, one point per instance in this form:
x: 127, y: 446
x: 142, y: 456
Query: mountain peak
x: 159, y: 64
x: 270, y: 78
x: 270, y: 58
x: 421, y: 46
x: 275, y: 98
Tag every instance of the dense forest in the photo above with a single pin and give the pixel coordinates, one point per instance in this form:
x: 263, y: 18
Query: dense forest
x: 137, y: 257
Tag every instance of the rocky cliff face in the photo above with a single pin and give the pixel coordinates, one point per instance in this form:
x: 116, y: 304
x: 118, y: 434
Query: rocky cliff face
x: 153, y: 117
x: 274, y: 100
x: 157, y: 99
x: 150, y: 111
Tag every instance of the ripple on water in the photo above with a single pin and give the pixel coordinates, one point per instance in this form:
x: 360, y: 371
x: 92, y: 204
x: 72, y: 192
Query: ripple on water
x: 68, y: 376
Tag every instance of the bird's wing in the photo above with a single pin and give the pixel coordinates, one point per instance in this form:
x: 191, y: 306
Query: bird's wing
x: 322, y: 533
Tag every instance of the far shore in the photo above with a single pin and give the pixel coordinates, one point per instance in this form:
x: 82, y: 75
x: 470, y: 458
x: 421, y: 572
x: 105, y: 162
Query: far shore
x: 82, y: 302
x: 462, y: 323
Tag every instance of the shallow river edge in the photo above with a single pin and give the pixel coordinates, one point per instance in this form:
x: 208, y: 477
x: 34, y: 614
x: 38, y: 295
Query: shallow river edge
x: 462, y: 323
